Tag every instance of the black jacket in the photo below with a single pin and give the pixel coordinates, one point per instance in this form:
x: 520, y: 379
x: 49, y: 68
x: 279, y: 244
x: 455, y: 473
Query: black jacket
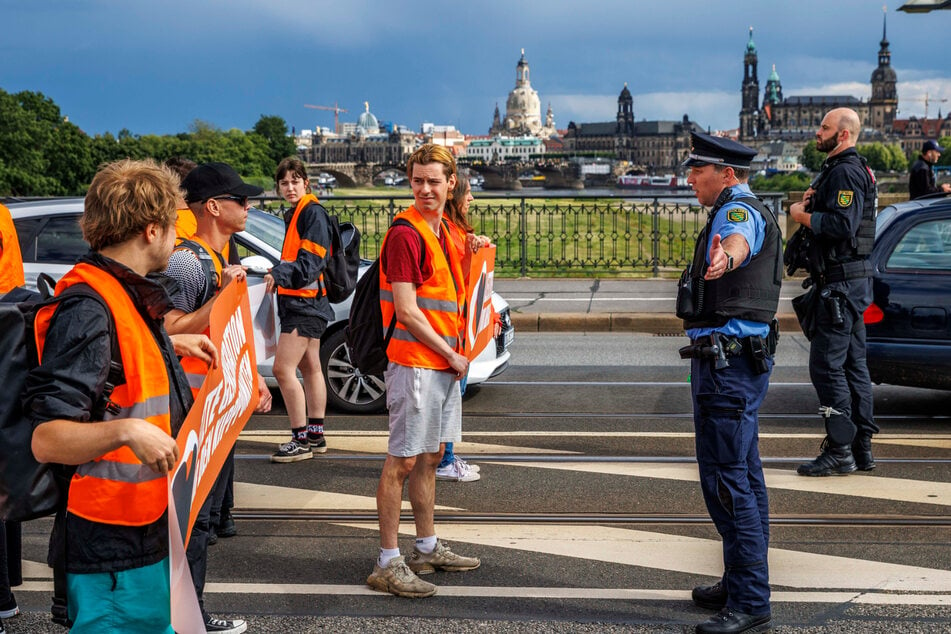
x: 69, y: 382
x: 921, y: 181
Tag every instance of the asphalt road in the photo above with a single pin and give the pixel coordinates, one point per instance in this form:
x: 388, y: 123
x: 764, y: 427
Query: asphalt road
x: 588, y: 517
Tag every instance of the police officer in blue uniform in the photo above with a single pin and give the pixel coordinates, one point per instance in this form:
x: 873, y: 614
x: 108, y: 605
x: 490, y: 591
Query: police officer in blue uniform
x: 839, y: 209
x: 728, y: 298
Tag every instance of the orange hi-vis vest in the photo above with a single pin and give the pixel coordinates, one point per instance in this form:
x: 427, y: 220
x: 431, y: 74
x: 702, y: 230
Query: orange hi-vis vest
x: 185, y: 225
x: 116, y: 488
x: 196, y: 369
x: 11, y: 261
x: 293, y: 243
x: 441, y: 298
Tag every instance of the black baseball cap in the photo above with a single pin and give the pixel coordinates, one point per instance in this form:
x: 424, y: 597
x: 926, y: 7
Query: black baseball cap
x: 931, y: 145
x: 209, y: 180
x: 706, y: 149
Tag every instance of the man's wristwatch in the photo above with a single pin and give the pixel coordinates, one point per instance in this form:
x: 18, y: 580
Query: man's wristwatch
x: 729, y: 261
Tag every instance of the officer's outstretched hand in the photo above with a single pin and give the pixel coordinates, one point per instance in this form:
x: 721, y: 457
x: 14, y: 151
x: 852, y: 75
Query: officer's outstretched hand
x: 717, y: 266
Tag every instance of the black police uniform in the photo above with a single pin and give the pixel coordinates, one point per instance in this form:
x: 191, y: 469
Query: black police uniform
x: 843, y: 221
x: 730, y: 369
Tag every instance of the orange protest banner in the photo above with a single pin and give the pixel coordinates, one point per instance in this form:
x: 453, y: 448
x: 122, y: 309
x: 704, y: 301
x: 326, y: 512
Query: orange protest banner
x: 224, y: 404
x: 480, y: 322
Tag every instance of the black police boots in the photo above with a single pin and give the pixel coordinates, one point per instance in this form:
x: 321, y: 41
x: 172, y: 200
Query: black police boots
x: 710, y: 597
x: 729, y: 621
x: 862, y: 452
x: 834, y: 460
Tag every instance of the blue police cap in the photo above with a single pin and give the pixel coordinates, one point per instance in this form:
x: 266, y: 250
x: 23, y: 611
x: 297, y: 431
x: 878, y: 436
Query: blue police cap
x: 715, y: 150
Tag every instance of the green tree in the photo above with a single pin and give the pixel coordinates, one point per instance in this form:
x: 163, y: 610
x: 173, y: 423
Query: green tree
x: 945, y: 142
x: 883, y: 157
x: 273, y: 130
x: 811, y: 157
x: 29, y: 121
x: 793, y: 181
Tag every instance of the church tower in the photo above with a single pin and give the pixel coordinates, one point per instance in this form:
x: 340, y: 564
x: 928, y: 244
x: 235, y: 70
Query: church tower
x: 884, y: 102
x: 749, y: 110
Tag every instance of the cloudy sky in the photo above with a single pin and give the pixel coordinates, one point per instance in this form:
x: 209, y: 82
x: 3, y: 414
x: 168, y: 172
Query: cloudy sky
x: 155, y: 66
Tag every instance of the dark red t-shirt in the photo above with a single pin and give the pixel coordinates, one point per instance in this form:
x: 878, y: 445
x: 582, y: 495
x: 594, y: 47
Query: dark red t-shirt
x: 400, y: 258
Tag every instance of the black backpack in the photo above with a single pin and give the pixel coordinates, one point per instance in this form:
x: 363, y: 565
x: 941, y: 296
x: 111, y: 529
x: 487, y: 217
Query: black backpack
x: 343, y: 262
x: 366, y: 340
x: 30, y: 489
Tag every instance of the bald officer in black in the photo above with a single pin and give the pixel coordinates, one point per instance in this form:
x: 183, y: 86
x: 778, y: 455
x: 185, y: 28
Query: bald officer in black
x: 839, y: 207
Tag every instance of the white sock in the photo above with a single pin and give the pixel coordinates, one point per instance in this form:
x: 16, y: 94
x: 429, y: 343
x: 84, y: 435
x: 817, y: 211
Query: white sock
x: 426, y: 545
x: 387, y: 555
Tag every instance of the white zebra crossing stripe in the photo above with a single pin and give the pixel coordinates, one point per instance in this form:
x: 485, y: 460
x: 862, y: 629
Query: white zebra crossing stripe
x: 275, y: 498
x: 693, y: 555
x: 867, y: 486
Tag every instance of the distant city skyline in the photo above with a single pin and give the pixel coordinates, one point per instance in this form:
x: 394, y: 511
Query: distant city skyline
x: 155, y: 68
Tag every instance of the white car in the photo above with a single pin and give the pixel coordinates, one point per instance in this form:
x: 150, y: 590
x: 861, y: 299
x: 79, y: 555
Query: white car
x: 51, y: 242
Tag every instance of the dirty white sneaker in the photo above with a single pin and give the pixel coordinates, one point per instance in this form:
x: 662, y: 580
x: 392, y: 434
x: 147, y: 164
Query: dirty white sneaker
x: 458, y: 471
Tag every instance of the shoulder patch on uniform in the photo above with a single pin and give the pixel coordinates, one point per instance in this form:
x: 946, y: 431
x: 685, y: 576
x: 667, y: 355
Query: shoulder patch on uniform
x: 845, y: 197
x: 739, y: 214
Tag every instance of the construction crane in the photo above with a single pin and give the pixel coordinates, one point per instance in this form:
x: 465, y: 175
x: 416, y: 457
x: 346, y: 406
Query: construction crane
x: 926, y: 99
x: 336, y: 110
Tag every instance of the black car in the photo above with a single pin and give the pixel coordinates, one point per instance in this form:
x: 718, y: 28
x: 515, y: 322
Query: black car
x: 908, y: 323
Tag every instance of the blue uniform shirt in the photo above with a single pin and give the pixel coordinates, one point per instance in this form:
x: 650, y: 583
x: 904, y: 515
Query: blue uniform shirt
x: 753, y: 228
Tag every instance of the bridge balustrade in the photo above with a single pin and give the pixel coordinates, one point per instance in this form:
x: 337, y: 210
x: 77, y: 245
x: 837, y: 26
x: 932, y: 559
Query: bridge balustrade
x: 563, y: 236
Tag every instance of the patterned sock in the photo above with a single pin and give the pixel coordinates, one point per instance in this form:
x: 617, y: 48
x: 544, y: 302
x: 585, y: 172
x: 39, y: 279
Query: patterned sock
x: 315, y: 429
x: 300, y: 435
x: 387, y: 555
x: 426, y: 545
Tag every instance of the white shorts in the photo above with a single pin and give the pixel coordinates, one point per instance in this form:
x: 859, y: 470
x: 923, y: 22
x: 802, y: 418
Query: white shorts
x: 425, y: 409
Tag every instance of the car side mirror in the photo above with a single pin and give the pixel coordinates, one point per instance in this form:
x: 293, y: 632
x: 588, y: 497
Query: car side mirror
x: 257, y: 264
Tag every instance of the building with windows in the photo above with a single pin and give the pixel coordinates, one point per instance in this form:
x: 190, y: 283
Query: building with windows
x: 498, y: 148
x: 654, y: 146
x: 796, y: 118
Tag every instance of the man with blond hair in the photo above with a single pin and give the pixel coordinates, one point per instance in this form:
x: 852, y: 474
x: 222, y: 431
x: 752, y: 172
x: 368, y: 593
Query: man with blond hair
x: 121, y: 439
x: 422, y: 284
x: 839, y: 209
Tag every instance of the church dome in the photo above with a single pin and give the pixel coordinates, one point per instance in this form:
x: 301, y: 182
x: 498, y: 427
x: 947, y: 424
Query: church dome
x: 367, y: 123
x: 774, y: 76
x: 886, y: 73
x: 750, y: 46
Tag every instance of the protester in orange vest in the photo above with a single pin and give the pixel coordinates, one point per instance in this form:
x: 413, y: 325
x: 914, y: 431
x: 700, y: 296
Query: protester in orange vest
x: 422, y: 380
x: 11, y: 261
x: 116, y: 524
x: 465, y: 242
x: 304, y: 312
x: 218, y: 198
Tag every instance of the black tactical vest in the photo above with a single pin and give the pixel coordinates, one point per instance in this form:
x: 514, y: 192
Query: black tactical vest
x: 750, y: 292
x: 860, y: 245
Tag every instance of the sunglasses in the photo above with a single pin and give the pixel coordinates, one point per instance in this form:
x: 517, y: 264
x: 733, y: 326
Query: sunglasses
x: 241, y: 200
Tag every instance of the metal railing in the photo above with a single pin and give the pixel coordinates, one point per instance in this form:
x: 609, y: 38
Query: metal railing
x: 562, y: 235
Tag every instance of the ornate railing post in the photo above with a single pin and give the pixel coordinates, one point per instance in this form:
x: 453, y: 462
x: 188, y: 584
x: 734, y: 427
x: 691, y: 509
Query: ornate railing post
x: 523, y: 237
x: 655, y: 237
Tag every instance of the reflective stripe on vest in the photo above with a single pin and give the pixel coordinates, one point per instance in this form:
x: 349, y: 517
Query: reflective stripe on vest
x: 437, y: 297
x: 293, y: 243
x: 11, y: 261
x: 117, y: 488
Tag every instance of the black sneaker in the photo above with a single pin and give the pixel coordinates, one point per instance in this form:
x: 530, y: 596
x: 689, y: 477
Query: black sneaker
x: 9, y: 608
x: 710, y: 597
x: 224, y: 626
x: 293, y: 451
x: 318, y: 444
x: 212, y: 536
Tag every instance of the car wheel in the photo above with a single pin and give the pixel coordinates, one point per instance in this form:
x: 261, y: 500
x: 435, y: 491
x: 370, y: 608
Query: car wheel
x: 347, y: 389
